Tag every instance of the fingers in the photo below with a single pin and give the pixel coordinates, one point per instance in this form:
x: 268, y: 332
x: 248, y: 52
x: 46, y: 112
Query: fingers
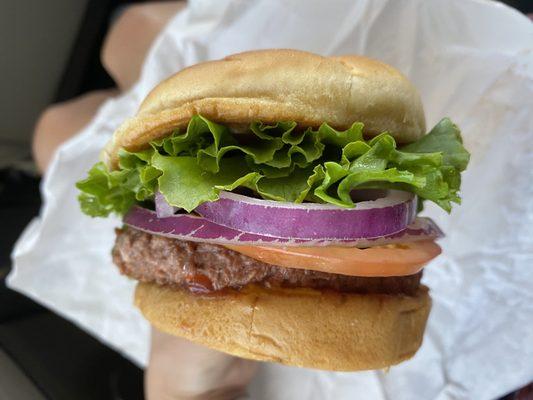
x: 61, y: 121
x: 179, y: 369
x: 123, y: 54
x: 131, y: 36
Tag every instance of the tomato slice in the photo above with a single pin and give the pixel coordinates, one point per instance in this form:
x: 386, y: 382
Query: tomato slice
x: 390, y: 260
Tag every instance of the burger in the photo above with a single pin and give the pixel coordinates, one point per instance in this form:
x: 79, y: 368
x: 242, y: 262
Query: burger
x: 270, y: 207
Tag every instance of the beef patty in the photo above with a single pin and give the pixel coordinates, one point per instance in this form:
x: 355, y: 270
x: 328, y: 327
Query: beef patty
x: 205, y: 267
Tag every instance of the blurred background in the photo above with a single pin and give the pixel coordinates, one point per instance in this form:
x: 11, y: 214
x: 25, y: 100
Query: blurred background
x: 52, y: 53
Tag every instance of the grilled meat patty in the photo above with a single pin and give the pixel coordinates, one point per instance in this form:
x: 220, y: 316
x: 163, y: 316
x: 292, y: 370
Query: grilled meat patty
x: 205, y: 267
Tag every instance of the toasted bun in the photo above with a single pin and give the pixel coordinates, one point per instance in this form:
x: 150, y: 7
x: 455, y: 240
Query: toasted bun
x: 278, y: 85
x: 300, y: 327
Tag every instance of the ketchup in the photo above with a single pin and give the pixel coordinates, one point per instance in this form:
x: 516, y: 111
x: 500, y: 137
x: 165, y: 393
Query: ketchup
x: 199, y: 283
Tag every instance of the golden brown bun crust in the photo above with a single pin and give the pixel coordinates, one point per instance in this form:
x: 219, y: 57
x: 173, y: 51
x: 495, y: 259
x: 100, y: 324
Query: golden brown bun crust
x: 299, y: 327
x: 278, y: 85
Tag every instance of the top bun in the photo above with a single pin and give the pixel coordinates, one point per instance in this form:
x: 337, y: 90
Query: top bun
x: 278, y: 85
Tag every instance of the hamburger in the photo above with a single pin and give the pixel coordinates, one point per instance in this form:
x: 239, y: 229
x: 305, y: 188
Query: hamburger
x: 270, y: 204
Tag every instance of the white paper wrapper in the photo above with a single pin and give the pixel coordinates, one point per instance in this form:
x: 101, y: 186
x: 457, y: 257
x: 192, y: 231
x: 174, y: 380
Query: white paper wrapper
x: 472, y: 61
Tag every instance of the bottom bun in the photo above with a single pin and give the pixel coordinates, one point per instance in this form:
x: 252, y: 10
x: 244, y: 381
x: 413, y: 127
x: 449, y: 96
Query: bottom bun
x: 300, y: 327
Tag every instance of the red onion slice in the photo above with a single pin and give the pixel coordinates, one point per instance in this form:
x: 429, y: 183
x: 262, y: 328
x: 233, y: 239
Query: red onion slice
x: 162, y: 208
x: 310, y: 221
x: 197, y: 229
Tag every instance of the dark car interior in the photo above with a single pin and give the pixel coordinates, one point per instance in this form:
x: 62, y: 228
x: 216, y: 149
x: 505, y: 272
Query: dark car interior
x: 42, y: 355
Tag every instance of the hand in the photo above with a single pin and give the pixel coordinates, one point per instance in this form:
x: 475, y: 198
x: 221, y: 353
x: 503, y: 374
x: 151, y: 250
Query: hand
x: 181, y: 370
x: 178, y: 369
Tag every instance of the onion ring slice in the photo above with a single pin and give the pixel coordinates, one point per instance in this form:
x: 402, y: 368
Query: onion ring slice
x: 197, y: 229
x: 311, y: 221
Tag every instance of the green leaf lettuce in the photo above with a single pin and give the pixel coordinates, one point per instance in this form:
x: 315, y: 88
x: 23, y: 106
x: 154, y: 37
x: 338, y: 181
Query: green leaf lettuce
x: 279, y: 162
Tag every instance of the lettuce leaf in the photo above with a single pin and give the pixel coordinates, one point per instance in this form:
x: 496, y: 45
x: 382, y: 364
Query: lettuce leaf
x: 280, y: 162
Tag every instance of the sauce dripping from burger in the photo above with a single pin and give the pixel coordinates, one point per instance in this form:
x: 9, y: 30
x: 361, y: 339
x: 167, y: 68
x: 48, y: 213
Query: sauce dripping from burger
x: 199, y: 283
